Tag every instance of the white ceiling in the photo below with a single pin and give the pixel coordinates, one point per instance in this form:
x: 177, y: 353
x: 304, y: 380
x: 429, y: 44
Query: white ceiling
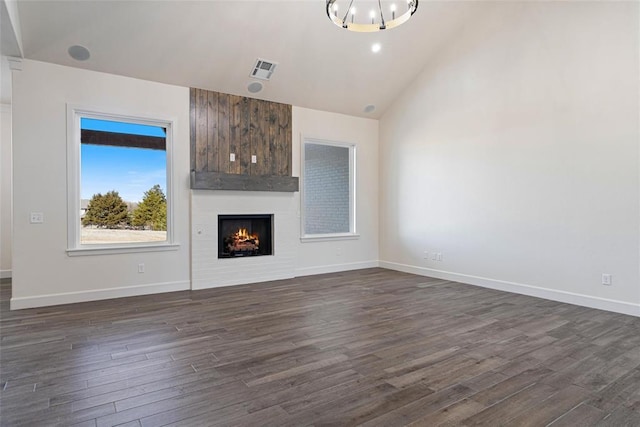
x: 214, y: 45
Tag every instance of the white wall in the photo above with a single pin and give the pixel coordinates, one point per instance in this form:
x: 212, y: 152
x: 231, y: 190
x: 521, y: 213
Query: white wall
x: 515, y: 154
x: 5, y: 191
x: 321, y: 257
x: 43, y: 274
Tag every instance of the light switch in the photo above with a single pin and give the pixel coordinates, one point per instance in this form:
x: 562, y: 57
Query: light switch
x: 254, y: 159
x: 232, y: 157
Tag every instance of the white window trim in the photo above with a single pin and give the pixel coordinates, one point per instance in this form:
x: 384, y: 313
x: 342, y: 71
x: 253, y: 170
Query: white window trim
x: 352, y: 234
x: 74, y: 247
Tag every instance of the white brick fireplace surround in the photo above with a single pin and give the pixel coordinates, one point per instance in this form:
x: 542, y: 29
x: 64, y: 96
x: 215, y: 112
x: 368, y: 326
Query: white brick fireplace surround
x: 210, y: 272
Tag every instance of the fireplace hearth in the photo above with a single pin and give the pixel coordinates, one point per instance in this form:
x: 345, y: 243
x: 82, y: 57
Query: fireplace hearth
x: 245, y: 235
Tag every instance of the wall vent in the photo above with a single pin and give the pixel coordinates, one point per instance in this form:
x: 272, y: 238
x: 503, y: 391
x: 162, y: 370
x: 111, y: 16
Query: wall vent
x: 263, y: 69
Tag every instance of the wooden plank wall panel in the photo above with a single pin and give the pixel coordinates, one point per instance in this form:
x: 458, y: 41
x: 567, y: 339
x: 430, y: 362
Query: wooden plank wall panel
x: 257, y: 136
x: 221, y: 124
x: 284, y: 141
x: 245, y: 137
x: 289, y: 138
x: 212, y: 131
x: 201, y: 131
x: 223, y: 131
x: 254, y: 115
x: 263, y: 149
x: 273, y: 154
x: 192, y: 126
x: 235, y: 133
x: 280, y: 160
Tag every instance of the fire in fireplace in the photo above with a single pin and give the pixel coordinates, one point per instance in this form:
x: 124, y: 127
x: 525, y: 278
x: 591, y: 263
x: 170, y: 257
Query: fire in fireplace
x: 245, y: 235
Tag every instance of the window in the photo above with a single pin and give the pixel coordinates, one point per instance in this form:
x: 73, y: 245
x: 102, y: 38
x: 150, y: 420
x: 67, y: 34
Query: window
x: 119, y: 175
x: 328, y: 190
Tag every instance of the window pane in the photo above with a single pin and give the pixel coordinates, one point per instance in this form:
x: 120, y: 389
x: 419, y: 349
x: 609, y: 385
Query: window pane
x: 123, y: 182
x: 326, y: 189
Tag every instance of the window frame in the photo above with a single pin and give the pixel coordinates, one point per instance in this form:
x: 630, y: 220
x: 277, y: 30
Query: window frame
x: 74, y: 247
x: 319, y: 237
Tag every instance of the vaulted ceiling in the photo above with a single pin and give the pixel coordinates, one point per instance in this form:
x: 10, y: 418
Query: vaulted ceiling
x: 214, y: 45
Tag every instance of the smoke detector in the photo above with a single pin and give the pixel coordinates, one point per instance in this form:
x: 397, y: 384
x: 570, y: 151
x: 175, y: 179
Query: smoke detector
x: 263, y: 69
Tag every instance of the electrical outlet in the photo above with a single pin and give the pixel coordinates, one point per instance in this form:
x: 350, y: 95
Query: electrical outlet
x: 606, y: 279
x: 439, y: 256
x: 36, y: 217
x: 140, y: 268
x: 254, y: 158
x: 232, y: 157
x: 339, y: 251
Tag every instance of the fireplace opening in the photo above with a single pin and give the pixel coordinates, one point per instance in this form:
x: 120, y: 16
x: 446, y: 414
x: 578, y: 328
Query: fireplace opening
x: 245, y: 235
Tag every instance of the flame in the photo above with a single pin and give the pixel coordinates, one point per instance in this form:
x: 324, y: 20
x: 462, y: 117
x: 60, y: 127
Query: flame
x: 242, y: 234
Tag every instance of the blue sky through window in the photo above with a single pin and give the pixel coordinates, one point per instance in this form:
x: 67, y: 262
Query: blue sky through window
x: 129, y: 171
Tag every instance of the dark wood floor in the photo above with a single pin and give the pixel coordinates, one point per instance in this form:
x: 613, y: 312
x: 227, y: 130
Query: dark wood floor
x: 371, y: 347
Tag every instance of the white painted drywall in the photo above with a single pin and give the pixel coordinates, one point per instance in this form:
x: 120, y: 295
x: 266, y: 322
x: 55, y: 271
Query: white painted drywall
x: 320, y: 257
x: 5, y: 190
x: 43, y: 273
x: 515, y: 154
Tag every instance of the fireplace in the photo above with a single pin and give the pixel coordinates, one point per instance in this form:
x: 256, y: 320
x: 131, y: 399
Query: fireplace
x: 245, y: 235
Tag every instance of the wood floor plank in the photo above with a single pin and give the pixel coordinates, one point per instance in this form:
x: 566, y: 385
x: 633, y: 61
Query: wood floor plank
x: 424, y: 407
x: 451, y: 415
x: 368, y: 347
x: 621, y: 417
x: 502, y: 412
x: 581, y: 415
x: 555, y: 406
x: 509, y: 387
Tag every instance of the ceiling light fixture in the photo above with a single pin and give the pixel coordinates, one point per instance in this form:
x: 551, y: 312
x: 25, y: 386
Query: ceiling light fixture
x: 375, y: 48
x: 382, y: 17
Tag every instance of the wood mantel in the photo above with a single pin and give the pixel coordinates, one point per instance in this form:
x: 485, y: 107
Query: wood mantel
x: 225, y: 181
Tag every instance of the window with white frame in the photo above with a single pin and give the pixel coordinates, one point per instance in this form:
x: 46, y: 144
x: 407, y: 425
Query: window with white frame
x: 119, y: 183
x: 328, y: 189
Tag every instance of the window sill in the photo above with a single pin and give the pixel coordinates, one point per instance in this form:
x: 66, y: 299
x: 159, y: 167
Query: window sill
x: 111, y: 250
x: 328, y: 237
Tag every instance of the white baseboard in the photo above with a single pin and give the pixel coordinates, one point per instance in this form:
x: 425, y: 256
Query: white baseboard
x: 240, y: 280
x: 519, y: 288
x: 334, y: 268
x: 100, y: 294
x: 309, y: 271
x: 5, y: 274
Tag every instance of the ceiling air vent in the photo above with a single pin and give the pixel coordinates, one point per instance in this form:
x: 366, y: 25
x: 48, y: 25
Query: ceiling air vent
x: 263, y: 69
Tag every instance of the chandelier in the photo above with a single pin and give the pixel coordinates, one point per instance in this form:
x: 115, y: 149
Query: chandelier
x: 375, y: 17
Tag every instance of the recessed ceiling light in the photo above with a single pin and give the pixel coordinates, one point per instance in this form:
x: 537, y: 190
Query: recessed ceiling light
x: 79, y: 53
x: 254, y: 87
x: 375, y: 48
x: 369, y: 108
